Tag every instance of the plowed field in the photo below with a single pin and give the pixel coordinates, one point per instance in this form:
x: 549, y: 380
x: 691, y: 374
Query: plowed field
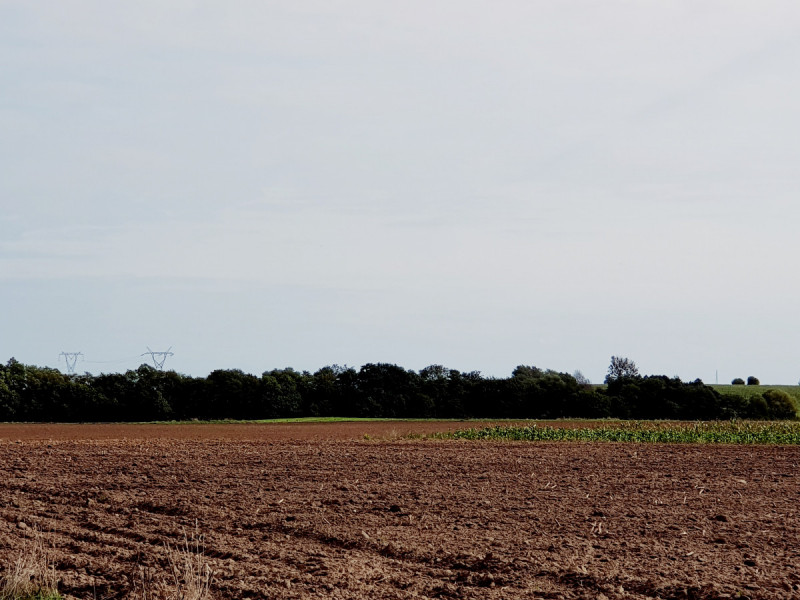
x: 332, y: 515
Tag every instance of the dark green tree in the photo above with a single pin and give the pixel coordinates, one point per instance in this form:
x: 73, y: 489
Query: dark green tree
x: 621, y: 368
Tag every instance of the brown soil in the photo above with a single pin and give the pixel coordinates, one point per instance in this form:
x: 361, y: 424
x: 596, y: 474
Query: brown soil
x: 238, y: 431
x: 307, y: 514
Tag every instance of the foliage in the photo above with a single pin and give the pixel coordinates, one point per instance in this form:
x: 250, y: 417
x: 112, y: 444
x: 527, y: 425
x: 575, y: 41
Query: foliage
x: 737, y: 381
x: 376, y: 390
x: 726, y: 432
x: 779, y: 404
x: 752, y: 391
x: 621, y: 368
x: 753, y: 381
x: 581, y: 378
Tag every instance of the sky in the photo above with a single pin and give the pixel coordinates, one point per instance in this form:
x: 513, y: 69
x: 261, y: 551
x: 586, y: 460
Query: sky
x: 260, y: 184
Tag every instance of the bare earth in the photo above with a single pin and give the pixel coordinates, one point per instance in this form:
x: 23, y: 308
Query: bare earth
x: 317, y: 511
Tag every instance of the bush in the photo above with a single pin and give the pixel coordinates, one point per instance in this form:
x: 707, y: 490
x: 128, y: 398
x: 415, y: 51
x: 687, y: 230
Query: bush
x: 779, y: 405
x: 737, y: 381
x: 753, y: 381
x: 757, y: 408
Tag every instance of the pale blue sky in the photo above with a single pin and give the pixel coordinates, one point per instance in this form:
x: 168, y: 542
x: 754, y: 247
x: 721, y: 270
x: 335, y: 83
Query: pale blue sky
x: 475, y: 184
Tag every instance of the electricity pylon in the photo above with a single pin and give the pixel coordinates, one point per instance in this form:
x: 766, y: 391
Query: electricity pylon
x: 159, y: 358
x: 71, y: 358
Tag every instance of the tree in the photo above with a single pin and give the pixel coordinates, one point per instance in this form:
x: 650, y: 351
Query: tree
x: 283, y: 391
x: 621, y: 368
x: 526, y: 372
x: 753, y: 381
x: 737, y: 381
x: 581, y: 378
x: 386, y: 390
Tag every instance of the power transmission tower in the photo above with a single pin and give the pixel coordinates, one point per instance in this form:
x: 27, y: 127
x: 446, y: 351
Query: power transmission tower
x: 71, y: 359
x: 159, y: 358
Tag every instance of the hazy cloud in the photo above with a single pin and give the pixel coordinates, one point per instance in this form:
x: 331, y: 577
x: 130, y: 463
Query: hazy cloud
x: 458, y: 183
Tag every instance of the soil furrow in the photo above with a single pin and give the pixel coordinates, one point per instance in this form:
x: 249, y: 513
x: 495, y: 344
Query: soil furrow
x: 327, y: 518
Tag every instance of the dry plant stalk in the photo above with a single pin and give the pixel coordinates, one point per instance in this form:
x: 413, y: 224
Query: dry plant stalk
x: 145, y: 586
x: 33, y: 575
x: 190, y: 574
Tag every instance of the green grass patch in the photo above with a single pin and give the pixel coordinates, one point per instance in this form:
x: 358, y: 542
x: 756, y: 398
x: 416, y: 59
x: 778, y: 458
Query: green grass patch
x: 721, y: 432
x: 748, y: 391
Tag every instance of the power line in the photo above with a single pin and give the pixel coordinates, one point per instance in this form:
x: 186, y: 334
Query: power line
x: 116, y: 361
x: 71, y: 359
x: 159, y: 358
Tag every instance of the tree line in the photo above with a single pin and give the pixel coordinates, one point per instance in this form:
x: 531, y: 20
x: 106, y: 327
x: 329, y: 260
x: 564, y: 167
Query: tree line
x: 31, y: 393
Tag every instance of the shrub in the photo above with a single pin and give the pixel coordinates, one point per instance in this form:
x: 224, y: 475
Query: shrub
x: 757, y: 407
x: 779, y: 404
x: 737, y: 381
x: 753, y: 381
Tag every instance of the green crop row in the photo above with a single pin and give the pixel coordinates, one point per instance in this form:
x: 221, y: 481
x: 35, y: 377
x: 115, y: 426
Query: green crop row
x: 722, y: 432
